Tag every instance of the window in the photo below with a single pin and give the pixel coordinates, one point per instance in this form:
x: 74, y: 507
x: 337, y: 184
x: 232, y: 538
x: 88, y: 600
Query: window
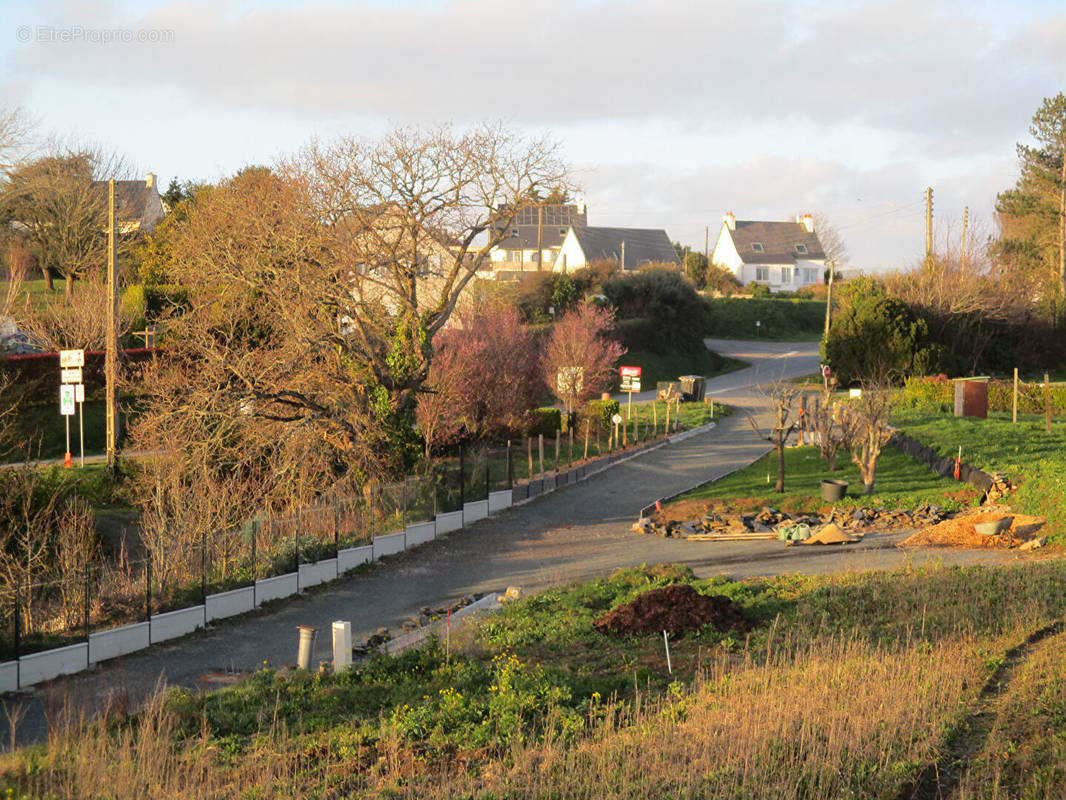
x: 801, y: 249
x: 514, y: 232
x: 762, y: 274
x: 810, y: 275
x: 562, y: 231
x: 756, y: 247
x: 513, y: 256
x: 786, y: 274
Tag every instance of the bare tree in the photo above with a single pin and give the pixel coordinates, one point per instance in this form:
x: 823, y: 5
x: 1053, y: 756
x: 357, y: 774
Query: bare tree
x: 79, y: 324
x: 59, y: 204
x: 833, y: 428
x: 870, y: 414
x: 782, y: 399
x: 316, y: 287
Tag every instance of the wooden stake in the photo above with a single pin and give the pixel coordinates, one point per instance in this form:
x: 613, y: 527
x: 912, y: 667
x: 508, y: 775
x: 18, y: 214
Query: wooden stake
x: 1015, y: 403
x: 1047, y: 403
x: 540, y: 452
x: 588, y: 424
x: 529, y: 450
x: 654, y: 418
x: 557, y: 452
x: 666, y: 426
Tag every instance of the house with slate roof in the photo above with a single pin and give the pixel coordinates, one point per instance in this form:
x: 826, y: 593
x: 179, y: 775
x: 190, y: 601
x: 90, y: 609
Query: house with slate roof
x: 785, y: 256
x: 543, y: 224
x: 138, y: 206
x: 630, y: 248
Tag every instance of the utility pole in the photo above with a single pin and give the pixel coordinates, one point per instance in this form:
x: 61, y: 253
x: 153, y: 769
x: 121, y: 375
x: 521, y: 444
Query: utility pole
x: 111, y: 342
x: 965, y: 223
x: 829, y: 299
x: 622, y: 266
x: 540, y: 235
x: 928, y: 225
x: 707, y: 244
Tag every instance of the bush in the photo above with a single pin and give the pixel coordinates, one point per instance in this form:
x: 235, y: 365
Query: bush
x: 602, y: 410
x: 937, y: 394
x: 677, y: 316
x: 873, y: 334
x: 134, y: 306
x: 545, y: 421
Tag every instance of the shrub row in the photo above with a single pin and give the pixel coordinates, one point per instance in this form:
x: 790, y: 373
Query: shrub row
x: 937, y: 393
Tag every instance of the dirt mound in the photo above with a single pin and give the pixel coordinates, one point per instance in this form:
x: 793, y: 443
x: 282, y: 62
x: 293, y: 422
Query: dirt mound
x: 675, y: 609
x: 959, y: 532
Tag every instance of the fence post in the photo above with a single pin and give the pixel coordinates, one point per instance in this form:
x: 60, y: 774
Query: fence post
x: 556, y: 451
x: 403, y: 511
x: 510, y: 467
x: 486, y: 478
x: 203, y: 567
x: 462, y: 495
x: 540, y: 454
x: 255, y: 535
x: 88, y: 573
x: 18, y: 630
x: 148, y: 590
x: 336, y: 531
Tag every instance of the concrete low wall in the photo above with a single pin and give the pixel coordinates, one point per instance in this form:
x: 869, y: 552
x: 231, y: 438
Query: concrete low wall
x: 118, y: 641
x: 353, y: 557
x: 9, y: 677
x: 230, y: 604
x: 177, y: 623
x: 420, y: 533
x: 41, y: 667
x: 472, y: 512
x: 498, y: 501
x: 389, y: 544
x: 319, y: 572
x: 276, y: 588
x: 449, y: 521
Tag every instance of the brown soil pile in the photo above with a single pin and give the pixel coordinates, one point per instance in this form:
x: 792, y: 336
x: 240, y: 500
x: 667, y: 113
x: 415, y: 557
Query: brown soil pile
x: 959, y: 532
x: 675, y: 609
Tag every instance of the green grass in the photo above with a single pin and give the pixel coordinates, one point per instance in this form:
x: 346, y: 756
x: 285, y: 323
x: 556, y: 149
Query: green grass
x: 1035, y: 459
x: 784, y: 320
x: 901, y: 482
x: 853, y: 667
x: 657, y: 367
x: 42, y: 429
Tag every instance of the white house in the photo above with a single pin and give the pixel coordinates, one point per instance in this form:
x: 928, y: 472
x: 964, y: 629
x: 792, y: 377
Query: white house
x: 784, y: 256
x: 542, y: 225
x: 138, y: 206
x: 630, y: 248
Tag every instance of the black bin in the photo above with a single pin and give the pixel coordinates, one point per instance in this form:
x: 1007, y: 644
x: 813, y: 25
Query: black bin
x: 693, y: 388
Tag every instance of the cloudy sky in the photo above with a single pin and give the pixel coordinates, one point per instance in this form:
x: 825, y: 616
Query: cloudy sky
x: 671, y: 111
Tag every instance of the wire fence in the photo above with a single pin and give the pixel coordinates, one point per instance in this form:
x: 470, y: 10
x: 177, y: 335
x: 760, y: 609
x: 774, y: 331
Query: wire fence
x: 40, y: 611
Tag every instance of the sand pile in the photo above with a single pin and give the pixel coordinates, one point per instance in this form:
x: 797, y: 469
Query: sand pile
x: 830, y: 534
x: 959, y: 532
x: 675, y: 609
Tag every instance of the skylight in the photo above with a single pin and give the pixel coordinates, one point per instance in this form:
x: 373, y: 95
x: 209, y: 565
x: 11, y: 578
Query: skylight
x: 756, y: 247
x: 801, y: 249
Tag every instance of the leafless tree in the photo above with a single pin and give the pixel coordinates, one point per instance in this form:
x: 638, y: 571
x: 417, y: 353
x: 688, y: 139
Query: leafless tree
x: 315, y: 287
x: 833, y: 244
x: 78, y: 324
x: 870, y: 414
x: 59, y: 204
x: 782, y: 399
x: 833, y: 428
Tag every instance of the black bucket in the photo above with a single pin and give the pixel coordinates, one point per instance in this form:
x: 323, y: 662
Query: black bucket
x: 833, y: 491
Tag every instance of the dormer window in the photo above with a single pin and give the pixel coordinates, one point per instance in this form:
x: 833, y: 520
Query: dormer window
x: 562, y: 231
x: 514, y: 232
x: 801, y: 249
x: 756, y: 247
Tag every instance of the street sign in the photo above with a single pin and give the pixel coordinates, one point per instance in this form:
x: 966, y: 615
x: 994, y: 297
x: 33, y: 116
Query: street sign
x: 66, y: 400
x: 630, y: 378
x: 70, y: 375
x: 72, y: 358
x: 825, y: 370
x: 79, y: 393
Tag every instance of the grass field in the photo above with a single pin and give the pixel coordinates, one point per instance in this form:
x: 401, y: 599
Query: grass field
x: 1029, y: 455
x: 784, y: 320
x: 901, y: 482
x: 855, y: 685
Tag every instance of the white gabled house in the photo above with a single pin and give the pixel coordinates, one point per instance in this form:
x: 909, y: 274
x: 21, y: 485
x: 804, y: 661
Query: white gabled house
x: 785, y: 256
x: 630, y: 248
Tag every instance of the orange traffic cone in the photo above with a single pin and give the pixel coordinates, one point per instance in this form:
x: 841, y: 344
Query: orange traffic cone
x: 66, y: 460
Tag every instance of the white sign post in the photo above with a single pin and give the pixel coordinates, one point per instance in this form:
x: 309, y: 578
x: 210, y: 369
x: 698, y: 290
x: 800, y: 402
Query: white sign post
x: 66, y: 408
x: 630, y: 384
x: 79, y: 398
x: 71, y: 358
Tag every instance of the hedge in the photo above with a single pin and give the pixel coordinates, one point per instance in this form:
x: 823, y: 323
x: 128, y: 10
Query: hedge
x: 938, y: 394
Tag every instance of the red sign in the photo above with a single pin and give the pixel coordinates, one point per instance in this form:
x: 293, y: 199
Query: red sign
x: 825, y: 370
x: 629, y: 372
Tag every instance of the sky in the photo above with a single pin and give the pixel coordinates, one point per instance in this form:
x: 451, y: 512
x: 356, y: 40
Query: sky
x: 671, y: 112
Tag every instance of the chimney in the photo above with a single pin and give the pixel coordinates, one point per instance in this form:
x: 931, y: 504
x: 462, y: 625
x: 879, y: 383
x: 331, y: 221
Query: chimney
x: 730, y: 220
x: 150, y: 180
x: 808, y: 223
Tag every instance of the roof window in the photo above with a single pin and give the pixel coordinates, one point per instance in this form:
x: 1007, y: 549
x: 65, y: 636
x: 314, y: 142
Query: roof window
x: 801, y: 249
x: 757, y: 247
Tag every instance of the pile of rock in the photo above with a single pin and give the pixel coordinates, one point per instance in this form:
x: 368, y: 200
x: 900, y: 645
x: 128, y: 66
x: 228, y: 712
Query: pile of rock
x: 426, y: 615
x: 763, y: 524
